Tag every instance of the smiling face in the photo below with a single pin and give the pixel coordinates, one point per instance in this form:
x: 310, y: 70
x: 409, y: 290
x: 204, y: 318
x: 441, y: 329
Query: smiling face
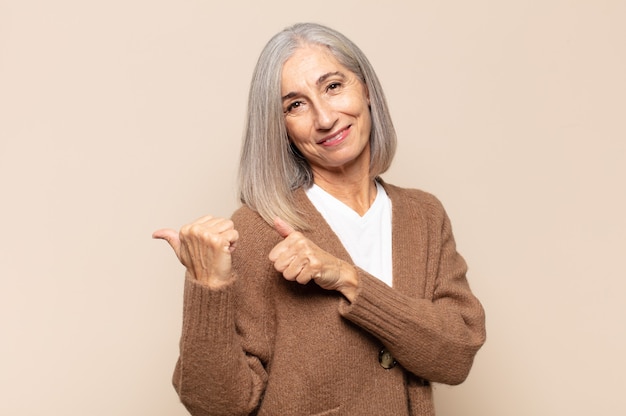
x: 327, y: 114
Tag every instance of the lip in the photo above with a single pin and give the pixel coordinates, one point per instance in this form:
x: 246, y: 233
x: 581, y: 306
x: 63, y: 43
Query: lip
x: 335, y: 138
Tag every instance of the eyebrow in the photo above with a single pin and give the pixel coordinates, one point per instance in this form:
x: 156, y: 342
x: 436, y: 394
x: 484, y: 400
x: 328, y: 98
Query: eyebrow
x: 328, y: 75
x: 319, y: 81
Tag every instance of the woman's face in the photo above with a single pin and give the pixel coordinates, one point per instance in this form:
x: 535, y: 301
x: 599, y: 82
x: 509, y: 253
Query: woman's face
x: 327, y: 113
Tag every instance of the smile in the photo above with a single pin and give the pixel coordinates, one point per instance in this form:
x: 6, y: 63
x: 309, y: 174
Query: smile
x: 335, y: 138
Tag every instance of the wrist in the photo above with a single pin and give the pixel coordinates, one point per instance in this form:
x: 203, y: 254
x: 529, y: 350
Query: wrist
x: 210, y: 281
x: 350, y: 281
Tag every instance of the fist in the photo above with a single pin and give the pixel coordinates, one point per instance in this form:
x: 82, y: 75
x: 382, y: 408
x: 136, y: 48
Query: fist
x: 204, y: 247
x: 301, y: 260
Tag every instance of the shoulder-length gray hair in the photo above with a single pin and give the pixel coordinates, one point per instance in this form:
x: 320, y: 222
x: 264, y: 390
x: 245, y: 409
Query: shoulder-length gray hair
x: 270, y: 167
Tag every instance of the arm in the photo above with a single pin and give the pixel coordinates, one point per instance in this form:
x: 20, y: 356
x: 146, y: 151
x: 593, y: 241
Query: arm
x: 436, y: 335
x: 431, y: 322
x: 220, y: 369
x: 214, y: 374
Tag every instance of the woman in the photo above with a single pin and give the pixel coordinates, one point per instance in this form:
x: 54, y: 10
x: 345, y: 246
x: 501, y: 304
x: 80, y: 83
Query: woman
x: 329, y: 291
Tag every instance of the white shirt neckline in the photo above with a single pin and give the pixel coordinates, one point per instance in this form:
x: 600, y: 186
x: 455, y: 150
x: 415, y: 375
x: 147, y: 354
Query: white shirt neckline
x: 367, y: 238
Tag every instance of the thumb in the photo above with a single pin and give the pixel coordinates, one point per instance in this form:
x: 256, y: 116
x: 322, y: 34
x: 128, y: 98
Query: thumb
x: 282, y: 227
x: 171, y: 236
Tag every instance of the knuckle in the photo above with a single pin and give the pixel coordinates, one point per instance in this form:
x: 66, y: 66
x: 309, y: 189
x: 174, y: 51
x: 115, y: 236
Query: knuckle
x: 315, y: 263
x: 211, y: 238
x: 195, y: 229
x: 184, y: 230
x: 301, y: 244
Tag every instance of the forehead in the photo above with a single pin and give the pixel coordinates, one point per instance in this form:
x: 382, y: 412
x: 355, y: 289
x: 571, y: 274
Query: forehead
x: 308, y: 63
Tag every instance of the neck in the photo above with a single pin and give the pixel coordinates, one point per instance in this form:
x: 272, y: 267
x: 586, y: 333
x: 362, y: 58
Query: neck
x: 357, y: 193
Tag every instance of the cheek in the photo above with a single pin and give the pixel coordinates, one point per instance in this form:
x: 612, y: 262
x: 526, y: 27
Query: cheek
x: 297, y: 130
x: 355, y: 104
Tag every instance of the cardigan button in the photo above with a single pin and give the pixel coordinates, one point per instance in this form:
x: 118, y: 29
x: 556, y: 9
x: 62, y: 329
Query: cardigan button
x: 386, y: 360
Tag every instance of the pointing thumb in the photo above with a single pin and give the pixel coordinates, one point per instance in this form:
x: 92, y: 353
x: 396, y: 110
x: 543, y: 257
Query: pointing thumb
x: 171, y: 236
x: 282, y: 227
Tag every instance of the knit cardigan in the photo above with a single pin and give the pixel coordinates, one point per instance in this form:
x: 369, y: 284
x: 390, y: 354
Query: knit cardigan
x: 263, y: 345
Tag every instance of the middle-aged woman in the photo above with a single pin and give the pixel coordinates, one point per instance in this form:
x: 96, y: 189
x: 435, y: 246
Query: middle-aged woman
x: 329, y: 292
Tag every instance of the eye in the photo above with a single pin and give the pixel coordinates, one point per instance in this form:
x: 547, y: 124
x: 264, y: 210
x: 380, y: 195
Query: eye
x: 333, y: 86
x: 293, y: 106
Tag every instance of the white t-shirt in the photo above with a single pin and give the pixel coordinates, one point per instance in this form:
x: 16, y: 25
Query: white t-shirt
x: 368, y: 238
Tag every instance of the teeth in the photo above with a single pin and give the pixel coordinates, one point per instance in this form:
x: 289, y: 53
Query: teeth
x: 337, y: 136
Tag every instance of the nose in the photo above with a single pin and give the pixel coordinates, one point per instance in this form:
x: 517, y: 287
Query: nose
x: 325, y: 116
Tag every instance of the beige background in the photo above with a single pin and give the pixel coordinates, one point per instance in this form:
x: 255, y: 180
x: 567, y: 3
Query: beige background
x: 118, y: 117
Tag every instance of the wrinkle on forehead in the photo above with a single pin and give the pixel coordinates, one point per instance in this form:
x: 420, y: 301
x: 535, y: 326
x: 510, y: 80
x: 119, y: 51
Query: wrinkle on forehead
x: 302, y: 60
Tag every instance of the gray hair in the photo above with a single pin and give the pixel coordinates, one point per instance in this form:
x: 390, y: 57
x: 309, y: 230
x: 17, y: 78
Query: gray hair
x: 270, y: 167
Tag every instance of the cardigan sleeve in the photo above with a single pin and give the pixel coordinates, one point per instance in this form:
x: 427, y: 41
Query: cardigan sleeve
x: 435, y: 336
x: 226, y: 337
x: 214, y: 375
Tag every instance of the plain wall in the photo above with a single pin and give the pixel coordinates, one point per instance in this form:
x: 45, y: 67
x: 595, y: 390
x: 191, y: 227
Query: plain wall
x: 119, y: 117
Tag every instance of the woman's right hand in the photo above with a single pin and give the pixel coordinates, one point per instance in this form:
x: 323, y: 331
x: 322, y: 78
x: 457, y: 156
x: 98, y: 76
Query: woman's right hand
x: 204, y: 247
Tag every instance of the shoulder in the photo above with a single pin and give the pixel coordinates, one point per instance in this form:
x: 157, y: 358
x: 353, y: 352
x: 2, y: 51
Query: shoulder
x: 246, y: 217
x: 254, y: 232
x: 414, y: 198
x: 414, y: 208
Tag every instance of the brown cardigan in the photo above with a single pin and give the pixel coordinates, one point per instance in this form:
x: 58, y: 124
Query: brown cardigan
x: 267, y: 346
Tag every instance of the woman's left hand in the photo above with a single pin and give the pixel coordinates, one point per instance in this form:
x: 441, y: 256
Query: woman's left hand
x: 300, y: 260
